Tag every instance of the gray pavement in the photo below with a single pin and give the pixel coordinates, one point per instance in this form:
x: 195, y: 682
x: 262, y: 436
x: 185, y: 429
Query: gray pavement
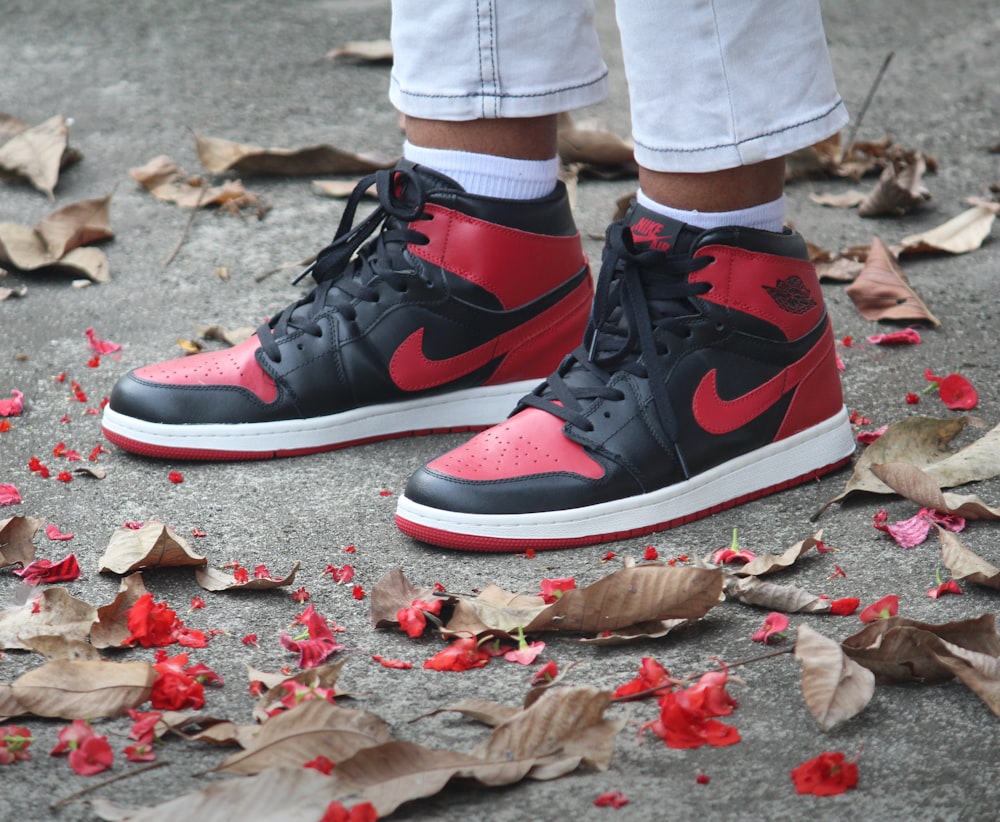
x: 136, y: 78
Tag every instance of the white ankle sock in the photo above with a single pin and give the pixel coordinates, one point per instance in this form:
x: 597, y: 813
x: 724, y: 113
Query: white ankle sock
x: 766, y: 217
x: 488, y: 175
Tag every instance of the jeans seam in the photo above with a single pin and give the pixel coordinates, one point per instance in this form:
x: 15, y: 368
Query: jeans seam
x: 737, y: 143
x: 505, y: 96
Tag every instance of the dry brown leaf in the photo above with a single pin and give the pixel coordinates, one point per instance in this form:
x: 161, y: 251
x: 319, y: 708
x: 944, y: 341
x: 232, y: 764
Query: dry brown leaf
x: 39, y: 153
x: 59, y: 614
x: 846, y: 199
x: 979, y: 672
x: 920, y: 441
x: 840, y: 270
x: 481, y: 710
x: 322, y: 676
x: 201, y: 727
x: 392, y: 592
x: 591, y: 143
x: 910, y: 482
x: 338, y: 189
x: 363, y: 51
x: 72, y: 689
x: 625, y: 598
x: 218, y: 155
x: 816, y: 160
x: 59, y: 647
x: 162, y: 178
x: 903, y: 650
x: 60, y: 241
x: 552, y: 727
x: 834, y: 687
x: 276, y: 795
x: 899, y: 190
x: 214, y: 579
x: 83, y: 223
x: 654, y: 629
x: 16, y: 540
x: 882, y: 292
x: 631, y: 596
x: 965, y: 564
x: 154, y: 545
x: 769, y: 563
x: 229, y: 336
x: 959, y: 235
x: 110, y: 630
x: 6, y: 293
x: 314, y: 728
x: 788, y: 599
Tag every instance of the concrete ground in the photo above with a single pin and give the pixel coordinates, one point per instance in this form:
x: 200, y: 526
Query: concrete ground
x: 137, y: 78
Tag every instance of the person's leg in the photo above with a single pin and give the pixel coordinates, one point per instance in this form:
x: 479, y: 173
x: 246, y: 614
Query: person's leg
x: 707, y: 375
x: 463, y: 288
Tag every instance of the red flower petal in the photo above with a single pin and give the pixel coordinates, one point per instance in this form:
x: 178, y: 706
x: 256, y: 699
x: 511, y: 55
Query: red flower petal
x: 611, y: 799
x: 906, y: 336
x: 392, y: 663
x: 883, y: 609
x: 957, y: 393
x: 42, y: 570
x: 844, y: 606
x: 825, y: 775
x: 461, y: 655
x: 175, y: 477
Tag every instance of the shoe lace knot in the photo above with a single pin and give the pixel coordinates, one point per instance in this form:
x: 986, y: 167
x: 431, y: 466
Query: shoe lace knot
x: 643, y: 305
x: 356, y: 264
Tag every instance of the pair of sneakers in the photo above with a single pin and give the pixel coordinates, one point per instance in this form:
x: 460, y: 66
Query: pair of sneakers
x: 701, y: 371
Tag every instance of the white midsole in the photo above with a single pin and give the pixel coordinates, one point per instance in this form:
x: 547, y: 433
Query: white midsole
x: 824, y: 444
x: 472, y: 407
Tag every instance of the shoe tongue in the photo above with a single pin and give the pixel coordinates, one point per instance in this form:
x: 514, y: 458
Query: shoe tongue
x: 433, y: 180
x: 651, y: 230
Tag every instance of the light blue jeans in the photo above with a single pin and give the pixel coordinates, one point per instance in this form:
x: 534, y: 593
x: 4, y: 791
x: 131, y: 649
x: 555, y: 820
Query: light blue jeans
x: 713, y: 84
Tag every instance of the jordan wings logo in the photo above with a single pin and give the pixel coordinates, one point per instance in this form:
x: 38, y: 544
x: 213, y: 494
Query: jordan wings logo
x: 720, y: 416
x: 791, y: 295
x: 647, y: 232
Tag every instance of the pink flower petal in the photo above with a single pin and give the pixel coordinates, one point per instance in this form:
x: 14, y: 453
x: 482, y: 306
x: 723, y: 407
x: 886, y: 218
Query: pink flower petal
x: 53, y: 533
x: 100, y: 346
x: 14, y: 407
x: 9, y: 495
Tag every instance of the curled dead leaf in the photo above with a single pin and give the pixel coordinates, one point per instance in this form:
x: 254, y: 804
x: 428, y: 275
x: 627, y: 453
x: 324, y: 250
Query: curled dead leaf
x: 59, y: 613
x: 965, y: 564
x: 214, y: 579
x: 788, y: 599
x: 314, y: 728
x: 769, y: 563
x: 920, y: 441
x: 881, y: 290
x: 110, y: 629
x: 62, y: 240
x: 905, y: 650
x: 218, y: 155
x: 899, y: 190
x: 154, y: 545
x: 834, y: 687
x: 71, y: 689
x: 363, y: 51
x: 39, y: 153
x: 915, y: 485
x: 392, y: 592
x: 959, y: 235
x: 17, y: 535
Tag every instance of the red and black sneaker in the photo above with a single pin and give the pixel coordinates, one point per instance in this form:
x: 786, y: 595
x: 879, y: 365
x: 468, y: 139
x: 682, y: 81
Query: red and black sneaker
x: 707, y: 378
x: 435, y: 313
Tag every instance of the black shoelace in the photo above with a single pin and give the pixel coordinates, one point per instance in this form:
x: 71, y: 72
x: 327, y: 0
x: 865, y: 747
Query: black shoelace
x: 348, y: 269
x: 642, y: 304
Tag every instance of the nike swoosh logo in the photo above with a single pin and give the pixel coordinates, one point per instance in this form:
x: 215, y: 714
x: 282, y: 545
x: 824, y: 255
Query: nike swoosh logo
x: 412, y: 370
x: 719, y: 416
